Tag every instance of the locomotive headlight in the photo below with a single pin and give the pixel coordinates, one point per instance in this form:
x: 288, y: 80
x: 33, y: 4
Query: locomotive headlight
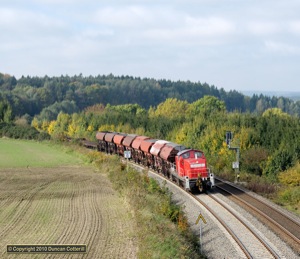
x: 197, y: 165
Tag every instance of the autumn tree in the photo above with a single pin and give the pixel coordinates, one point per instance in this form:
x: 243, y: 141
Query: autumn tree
x: 207, y: 106
x: 171, y: 108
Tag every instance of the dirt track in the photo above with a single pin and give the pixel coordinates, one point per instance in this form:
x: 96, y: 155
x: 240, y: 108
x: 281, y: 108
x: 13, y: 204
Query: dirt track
x: 65, y: 205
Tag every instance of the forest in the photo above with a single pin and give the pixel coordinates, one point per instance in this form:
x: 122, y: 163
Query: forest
x: 47, y: 96
x: 266, y: 129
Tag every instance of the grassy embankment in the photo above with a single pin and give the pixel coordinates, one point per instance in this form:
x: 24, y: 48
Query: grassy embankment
x: 161, y: 225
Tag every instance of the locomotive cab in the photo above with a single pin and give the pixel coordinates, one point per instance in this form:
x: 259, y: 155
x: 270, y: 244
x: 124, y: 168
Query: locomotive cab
x: 192, y: 167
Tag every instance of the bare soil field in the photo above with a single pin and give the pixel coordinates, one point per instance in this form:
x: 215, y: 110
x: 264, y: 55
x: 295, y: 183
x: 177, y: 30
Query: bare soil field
x: 71, y: 204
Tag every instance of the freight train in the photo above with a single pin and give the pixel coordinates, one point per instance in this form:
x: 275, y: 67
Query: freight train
x: 187, y: 167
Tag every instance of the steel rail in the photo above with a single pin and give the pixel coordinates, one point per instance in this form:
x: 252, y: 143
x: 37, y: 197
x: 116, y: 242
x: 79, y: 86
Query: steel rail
x: 260, y: 212
x: 265, y: 244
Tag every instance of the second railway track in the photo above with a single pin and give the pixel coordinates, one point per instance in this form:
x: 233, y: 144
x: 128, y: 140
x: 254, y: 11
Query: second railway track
x: 253, y: 243
x: 286, y: 227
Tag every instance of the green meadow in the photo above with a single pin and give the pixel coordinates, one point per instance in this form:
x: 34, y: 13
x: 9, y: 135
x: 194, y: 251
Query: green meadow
x: 26, y: 153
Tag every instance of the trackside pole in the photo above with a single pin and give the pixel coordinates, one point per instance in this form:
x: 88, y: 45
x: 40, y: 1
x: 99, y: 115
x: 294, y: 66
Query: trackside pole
x: 236, y: 164
x: 200, y: 237
x: 127, y: 155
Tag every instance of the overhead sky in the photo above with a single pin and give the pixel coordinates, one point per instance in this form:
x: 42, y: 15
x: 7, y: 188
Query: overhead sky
x: 231, y: 44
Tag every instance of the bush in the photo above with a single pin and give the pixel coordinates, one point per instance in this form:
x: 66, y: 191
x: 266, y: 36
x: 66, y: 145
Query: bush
x: 259, y: 184
x: 252, y: 159
x: 291, y: 177
x: 11, y: 130
x: 262, y: 187
x: 290, y: 198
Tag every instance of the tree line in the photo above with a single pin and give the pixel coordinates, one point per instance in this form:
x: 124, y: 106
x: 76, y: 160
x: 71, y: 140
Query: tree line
x: 47, y: 96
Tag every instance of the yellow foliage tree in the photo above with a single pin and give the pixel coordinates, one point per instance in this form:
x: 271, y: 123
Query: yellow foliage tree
x: 126, y: 128
x: 51, y: 127
x: 106, y: 127
x: 90, y: 128
x: 76, y: 126
x: 241, y: 138
x: 71, y: 130
x: 291, y: 177
x: 36, y: 124
x: 182, y: 133
x: 140, y: 131
x: 216, y: 150
x: 206, y: 106
x: 275, y: 112
x: 45, y: 125
x: 62, y: 123
x: 167, y: 109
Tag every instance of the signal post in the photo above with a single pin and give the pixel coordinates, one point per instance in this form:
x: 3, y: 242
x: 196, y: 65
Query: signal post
x: 231, y: 146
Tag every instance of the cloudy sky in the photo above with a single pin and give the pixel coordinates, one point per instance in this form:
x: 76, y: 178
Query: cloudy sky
x: 232, y: 44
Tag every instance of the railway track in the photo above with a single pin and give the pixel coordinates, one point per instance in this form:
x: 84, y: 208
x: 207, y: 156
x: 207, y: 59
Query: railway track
x: 251, y: 243
x: 287, y: 228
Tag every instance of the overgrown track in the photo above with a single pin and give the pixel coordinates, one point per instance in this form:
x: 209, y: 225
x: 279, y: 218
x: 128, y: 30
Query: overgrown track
x: 281, y: 223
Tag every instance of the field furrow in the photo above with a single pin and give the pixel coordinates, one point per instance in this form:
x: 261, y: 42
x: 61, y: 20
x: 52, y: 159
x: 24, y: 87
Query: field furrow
x: 64, y: 205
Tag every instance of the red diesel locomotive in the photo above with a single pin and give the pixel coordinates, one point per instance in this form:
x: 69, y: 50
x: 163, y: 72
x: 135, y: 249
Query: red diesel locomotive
x: 187, y: 167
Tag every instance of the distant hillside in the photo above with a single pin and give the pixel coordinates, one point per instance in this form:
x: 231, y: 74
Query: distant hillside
x: 48, y: 96
x: 295, y: 96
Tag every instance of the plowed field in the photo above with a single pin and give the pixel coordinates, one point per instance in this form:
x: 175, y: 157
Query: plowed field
x: 70, y: 204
